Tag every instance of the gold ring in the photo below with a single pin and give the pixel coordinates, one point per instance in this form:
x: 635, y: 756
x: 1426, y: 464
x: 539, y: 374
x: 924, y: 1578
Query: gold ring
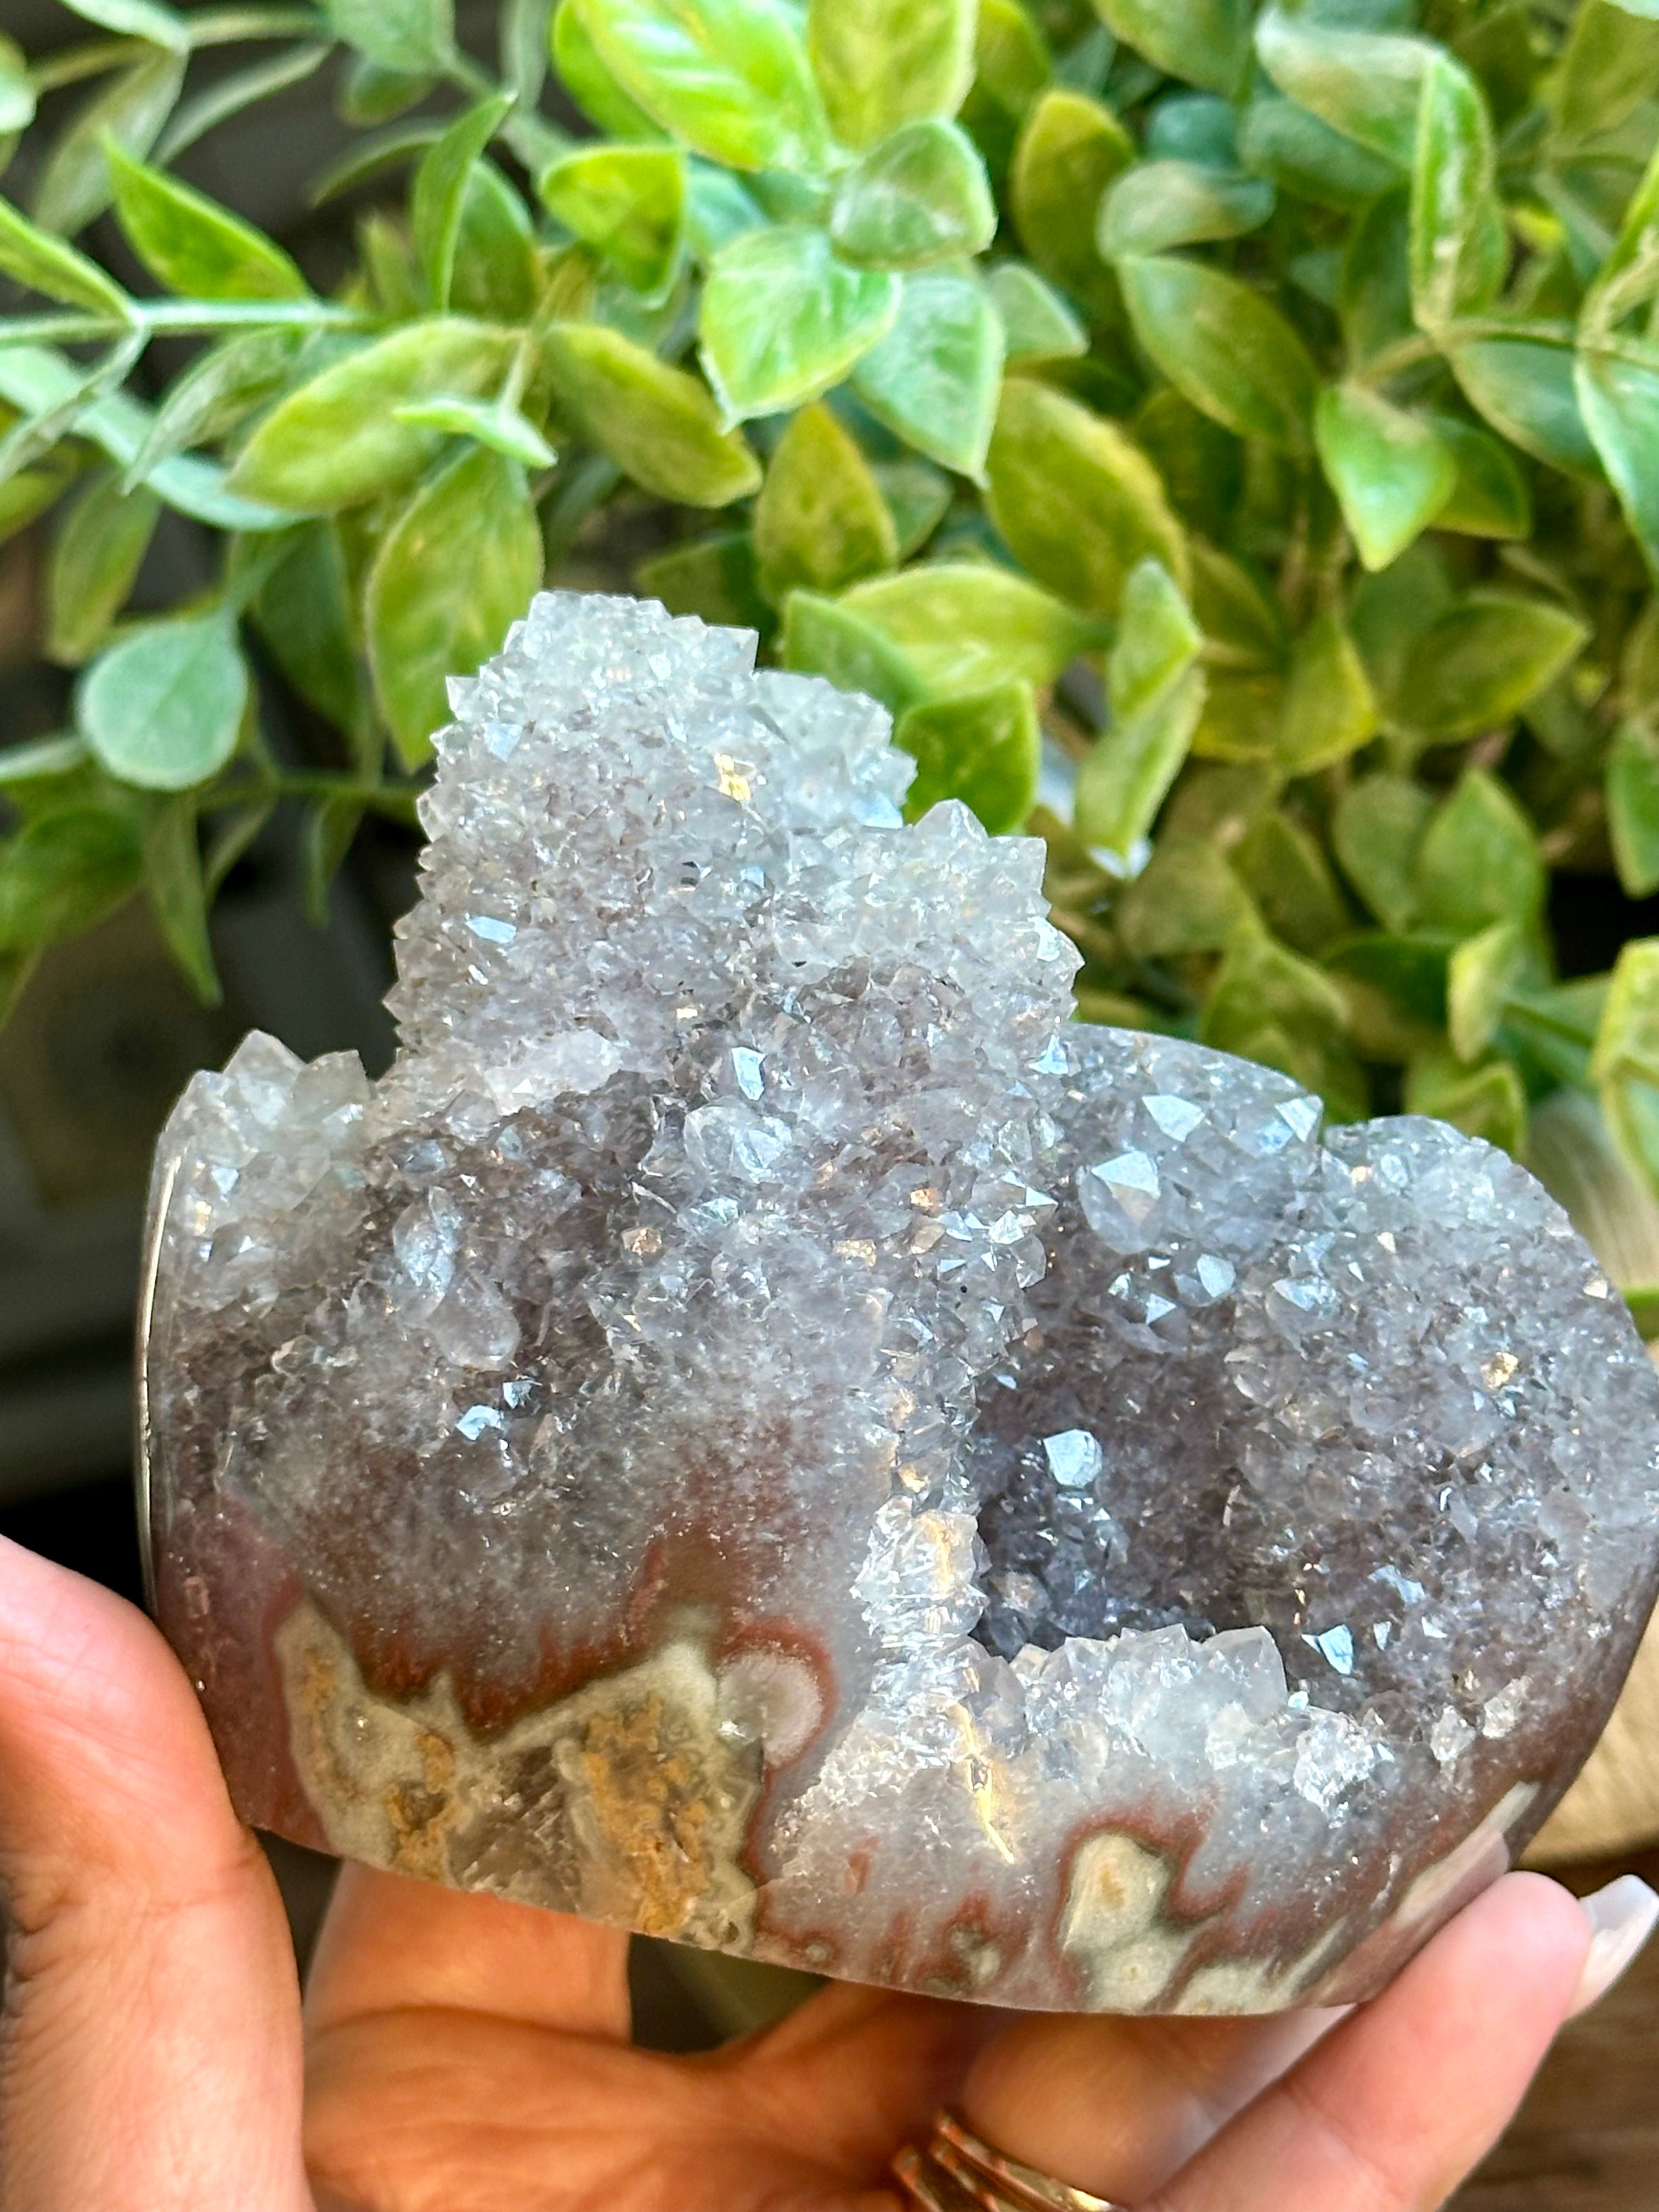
x: 958, y: 2171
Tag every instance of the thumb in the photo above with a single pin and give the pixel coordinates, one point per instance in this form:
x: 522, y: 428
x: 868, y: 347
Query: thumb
x: 149, y: 2057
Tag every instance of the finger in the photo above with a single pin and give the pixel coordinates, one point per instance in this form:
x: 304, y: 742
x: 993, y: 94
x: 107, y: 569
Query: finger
x: 1115, y: 2106
x: 413, y: 2110
x: 1410, y: 2093
x: 860, y: 2071
x: 150, y: 2058
x: 391, y: 1944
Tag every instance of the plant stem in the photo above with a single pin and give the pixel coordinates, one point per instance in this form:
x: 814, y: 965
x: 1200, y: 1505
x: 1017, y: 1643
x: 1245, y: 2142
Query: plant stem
x: 226, y: 27
x: 75, y: 64
x: 187, y: 317
x: 1411, y: 353
x: 396, y: 800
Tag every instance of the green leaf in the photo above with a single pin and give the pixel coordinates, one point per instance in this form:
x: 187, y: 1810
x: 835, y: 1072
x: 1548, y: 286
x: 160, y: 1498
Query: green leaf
x: 438, y: 198
x: 498, y: 276
x: 1394, y: 988
x: 371, y: 94
x: 1226, y: 348
x: 219, y: 390
x: 42, y: 760
x: 1570, y: 1151
x: 585, y: 77
x: 191, y: 244
x: 1609, y: 68
x: 1483, y: 661
x: 1491, y: 498
x: 1374, y: 296
x: 50, y: 415
x: 1330, y: 708
x: 1242, y: 622
x: 921, y: 195
x: 1158, y: 205
x: 1291, y: 882
x: 1366, y: 84
x: 1202, y: 465
x: 730, y: 78
x: 659, y: 425
x: 303, y: 616
x: 984, y: 749
x: 1478, y: 862
x: 37, y: 380
x: 1376, y: 833
x: 1625, y: 1065
x: 329, y: 831
x: 1629, y: 275
x: 525, y: 42
x: 719, y: 209
x: 458, y: 568
x: 827, y: 638
x: 1269, y: 1005
x: 820, y: 522
x: 136, y: 19
x: 1192, y: 126
x: 1011, y: 67
x: 1483, y: 971
x: 1632, y: 798
x: 1157, y: 690
x: 627, y: 202
x: 45, y: 263
x: 918, y: 497
x: 881, y: 63
x: 1392, y: 612
x: 178, y: 896
x: 1459, y: 248
x: 1070, y: 150
x: 968, y: 626
x: 1186, y: 900
x: 1620, y: 402
x: 75, y: 184
x: 1490, y: 1102
x: 494, y: 425
x: 1205, y: 42
x: 337, y: 441
x: 1525, y: 388
x: 713, y: 578
x: 933, y: 379
x: 162, y: 709
x: 782, y: 320
x: 16, y: 89
x: 1078, y: 504
x: 1037, y: 325
x: 1305, y: 160
x: 95, y: 559
x: 1391, y: 471
x: 414, y: 36
x: 63, y: 872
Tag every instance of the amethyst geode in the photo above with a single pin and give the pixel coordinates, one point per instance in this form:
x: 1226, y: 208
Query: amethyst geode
x: 760, y: 1429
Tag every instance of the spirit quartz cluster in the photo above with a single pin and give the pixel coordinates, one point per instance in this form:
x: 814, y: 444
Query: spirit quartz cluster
x: 760, y: 1429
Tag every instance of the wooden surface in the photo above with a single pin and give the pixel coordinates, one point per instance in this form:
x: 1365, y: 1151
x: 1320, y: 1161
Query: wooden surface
x: 1588, y: 2137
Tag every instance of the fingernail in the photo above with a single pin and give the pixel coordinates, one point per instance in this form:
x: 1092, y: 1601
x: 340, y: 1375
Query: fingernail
x: 1622, y: 1917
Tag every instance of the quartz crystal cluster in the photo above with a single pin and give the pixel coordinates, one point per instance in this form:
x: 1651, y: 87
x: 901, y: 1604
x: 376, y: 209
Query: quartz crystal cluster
x: 760, y: 1429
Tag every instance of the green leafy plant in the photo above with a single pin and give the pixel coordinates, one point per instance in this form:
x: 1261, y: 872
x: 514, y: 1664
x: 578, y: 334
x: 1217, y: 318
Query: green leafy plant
x: 1226, y: 436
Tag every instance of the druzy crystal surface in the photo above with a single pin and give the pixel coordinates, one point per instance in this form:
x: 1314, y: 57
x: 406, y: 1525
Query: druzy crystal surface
x: 761, y: 1430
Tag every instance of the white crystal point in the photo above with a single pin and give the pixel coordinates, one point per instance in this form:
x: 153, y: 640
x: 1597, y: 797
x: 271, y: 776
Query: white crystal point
x: 759, y: 1429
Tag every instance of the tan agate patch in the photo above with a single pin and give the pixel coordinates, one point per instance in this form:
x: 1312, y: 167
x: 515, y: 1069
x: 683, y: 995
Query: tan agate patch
x: 627, y: 1802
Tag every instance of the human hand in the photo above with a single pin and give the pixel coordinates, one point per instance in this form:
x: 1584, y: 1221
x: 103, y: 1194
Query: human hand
x: 462, y: 2054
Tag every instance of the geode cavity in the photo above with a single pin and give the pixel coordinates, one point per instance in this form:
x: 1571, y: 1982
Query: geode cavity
x: 760, y: 1429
